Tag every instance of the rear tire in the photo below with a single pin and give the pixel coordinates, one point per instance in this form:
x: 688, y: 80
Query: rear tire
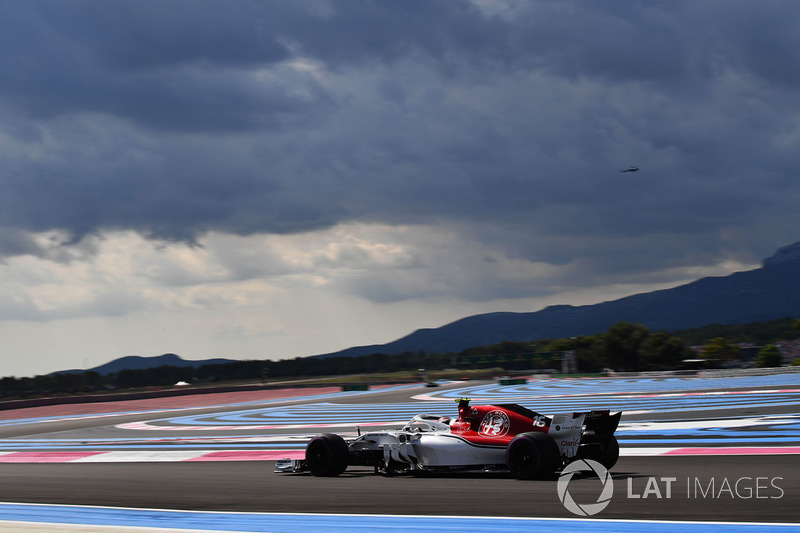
x: 326, y: 455
x: 609, y: 453
x: 606, y: 453
x: 532, y: 455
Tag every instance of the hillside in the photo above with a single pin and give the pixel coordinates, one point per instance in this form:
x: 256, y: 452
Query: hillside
x: 135, y: 362
x: 760, y: 295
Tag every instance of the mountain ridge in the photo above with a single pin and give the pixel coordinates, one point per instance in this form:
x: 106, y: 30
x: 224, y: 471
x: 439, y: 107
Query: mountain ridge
x: 763, y: 294
x: 766, y: 293
x: 137, y: 362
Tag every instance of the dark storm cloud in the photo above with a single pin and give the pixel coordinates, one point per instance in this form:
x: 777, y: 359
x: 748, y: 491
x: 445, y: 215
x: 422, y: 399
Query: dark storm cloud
x: 167, y: 65
x: 509, y: 120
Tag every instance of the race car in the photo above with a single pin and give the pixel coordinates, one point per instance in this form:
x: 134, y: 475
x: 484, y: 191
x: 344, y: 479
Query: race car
x: 502, y: 437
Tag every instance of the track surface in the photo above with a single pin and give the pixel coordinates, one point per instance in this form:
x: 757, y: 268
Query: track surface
x: 747, y: 488
x: 248, y: 486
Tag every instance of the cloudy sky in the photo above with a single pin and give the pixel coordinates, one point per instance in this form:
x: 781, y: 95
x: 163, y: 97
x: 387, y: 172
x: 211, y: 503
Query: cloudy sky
x: 258, y: 179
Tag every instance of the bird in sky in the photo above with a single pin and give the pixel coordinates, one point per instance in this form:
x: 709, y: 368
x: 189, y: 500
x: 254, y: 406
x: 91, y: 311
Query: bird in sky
x: 631, y: 169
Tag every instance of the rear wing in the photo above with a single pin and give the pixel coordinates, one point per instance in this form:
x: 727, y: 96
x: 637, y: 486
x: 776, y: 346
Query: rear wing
x: 600, y: 425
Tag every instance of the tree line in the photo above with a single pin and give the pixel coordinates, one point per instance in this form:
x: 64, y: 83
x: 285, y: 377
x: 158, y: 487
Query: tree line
x: 625, y: 346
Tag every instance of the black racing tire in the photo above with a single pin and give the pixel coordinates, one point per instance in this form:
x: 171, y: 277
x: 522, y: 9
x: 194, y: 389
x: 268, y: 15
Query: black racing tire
x: 609, y: 452
x: 532, y: 455
x: 326, y: 455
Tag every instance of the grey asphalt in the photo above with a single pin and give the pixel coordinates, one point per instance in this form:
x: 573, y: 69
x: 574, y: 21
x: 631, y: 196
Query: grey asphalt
x: 253, y: 487
x: 752, y: 488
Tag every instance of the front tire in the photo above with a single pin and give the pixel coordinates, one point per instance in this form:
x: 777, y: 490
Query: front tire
x: 326, y: 455
x: 532, y: 455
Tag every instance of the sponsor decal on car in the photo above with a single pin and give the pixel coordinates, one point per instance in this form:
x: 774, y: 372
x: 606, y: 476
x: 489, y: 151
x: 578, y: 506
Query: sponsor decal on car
x: 566, y: 431
x: 495, y: 424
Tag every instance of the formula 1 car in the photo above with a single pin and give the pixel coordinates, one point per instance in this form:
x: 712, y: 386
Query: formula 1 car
x: 484, y: 437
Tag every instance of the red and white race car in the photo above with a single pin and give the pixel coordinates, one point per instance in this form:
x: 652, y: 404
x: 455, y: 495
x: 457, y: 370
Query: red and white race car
x: 483, y: 437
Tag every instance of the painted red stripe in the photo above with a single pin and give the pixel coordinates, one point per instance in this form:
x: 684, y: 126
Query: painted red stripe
x: 710, y: 393
x: 161, y: 404
x: 251, y: 455
x: 44, y: 457
x: 774, y: 450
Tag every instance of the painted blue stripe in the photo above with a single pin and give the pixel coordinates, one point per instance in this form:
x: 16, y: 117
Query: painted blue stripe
x: 757, y: 441
x: 620, y: 386
x: 147, y: 446
x: 322, y: 412
x: 773, y: 429
x: 326, y: 410
x: 18, y: 421
x: 290, y: 523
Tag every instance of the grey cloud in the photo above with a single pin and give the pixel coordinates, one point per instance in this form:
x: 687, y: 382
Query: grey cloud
x: 175, y: 65
x: 178, y: 118
x: 16, y: 242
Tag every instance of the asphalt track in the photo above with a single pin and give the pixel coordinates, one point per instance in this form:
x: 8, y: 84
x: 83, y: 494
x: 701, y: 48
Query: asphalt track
x: 253, y: 487
x: 763, y: 487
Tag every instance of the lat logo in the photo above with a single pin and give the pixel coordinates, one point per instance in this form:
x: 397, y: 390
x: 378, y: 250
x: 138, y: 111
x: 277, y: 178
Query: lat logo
x: 585, y: 509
